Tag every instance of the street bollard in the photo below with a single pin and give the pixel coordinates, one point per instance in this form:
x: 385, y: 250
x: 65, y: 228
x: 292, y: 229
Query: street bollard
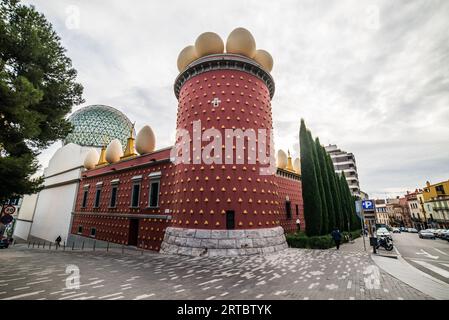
x: 38, y: 244
x: 373, y: 243
x: 43, y: 247
x: 33, y: 244
x: 123, y: 248
x: 49, y: 246
x: 63, y: 248
x: 95, y: 241
x: 73, y: 245
x: 107, y: 247
x: 82, y: 246
x: 28, y: 244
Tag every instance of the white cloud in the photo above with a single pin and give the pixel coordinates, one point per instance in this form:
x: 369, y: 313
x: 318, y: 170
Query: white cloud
x: 370, y: 76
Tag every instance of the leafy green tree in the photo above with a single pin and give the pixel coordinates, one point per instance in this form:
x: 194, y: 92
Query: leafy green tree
x: 37, y: 91
x: 335, y: 190
x: 321, y: 187
x: 355, y: 220
x: 344, y: 189
x: 310, y: 189
x: 352, y: 218
x: 327, y: 185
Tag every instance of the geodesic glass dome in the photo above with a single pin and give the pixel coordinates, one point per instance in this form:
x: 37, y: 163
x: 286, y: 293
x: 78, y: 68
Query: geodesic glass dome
x: 97, y: 125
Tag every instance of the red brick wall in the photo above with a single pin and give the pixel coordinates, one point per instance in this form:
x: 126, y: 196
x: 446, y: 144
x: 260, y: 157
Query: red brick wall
x: 292, y: 189
x: 112, y: 229
x: 115, y: 228
x: 151, y: 233
x: 207, y: 191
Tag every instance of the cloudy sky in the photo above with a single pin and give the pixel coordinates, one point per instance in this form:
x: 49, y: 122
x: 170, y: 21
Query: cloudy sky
x: 369, y: 76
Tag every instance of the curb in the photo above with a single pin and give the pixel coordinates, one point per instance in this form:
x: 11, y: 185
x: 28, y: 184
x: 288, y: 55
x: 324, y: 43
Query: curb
x: 385, y: 255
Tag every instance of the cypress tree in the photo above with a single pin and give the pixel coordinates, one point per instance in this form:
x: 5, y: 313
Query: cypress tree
x: 345, y: 201
x: 335, y: 190
x: 310, y: 190
x: 355, y: 221
x: 352, y: 216
x: 319, y: 176
x: 327, y: 185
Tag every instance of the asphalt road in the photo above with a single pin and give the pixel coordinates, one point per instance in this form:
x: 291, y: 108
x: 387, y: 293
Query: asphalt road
x: 429, y: 256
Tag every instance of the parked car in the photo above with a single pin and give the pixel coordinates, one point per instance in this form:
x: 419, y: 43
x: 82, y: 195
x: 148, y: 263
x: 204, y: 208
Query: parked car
x: 439, y: 232
x: 445, y: 235
x: 412, y: 230
x: 383, y: 232
x: 403, y: 229
x: 396, y: 230
x: 426, y: 234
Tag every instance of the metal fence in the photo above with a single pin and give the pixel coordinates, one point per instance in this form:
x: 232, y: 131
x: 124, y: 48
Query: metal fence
x: 80, y: 246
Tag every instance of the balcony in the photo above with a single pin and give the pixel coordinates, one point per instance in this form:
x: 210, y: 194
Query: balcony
x: 341, y: 163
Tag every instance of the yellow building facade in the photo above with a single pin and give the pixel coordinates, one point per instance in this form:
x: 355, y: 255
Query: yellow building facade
x: 436, y: 203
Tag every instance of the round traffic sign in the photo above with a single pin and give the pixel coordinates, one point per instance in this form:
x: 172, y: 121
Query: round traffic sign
x: 9, y: 209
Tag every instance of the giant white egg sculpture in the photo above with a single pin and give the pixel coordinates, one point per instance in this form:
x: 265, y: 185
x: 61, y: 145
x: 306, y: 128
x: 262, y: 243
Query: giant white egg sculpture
x: 114, y: 151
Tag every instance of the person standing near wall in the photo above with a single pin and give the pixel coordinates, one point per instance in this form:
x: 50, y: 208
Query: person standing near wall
x: 336, y: 235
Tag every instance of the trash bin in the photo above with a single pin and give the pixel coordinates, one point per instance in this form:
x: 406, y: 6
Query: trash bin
x: 373, y: 241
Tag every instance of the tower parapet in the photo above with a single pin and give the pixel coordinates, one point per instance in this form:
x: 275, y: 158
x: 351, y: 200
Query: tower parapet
x: 225, y: 61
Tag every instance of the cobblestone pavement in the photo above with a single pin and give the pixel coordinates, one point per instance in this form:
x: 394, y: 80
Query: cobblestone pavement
x: 289, y: 274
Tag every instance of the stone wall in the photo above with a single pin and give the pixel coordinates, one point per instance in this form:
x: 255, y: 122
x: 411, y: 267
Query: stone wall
x: 200, y: 242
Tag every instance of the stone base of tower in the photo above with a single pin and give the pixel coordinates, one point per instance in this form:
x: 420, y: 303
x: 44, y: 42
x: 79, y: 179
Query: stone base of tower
x: 200, y: 242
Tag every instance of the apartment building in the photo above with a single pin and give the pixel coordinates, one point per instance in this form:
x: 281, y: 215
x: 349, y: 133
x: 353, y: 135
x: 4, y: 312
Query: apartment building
x: 344, y: 162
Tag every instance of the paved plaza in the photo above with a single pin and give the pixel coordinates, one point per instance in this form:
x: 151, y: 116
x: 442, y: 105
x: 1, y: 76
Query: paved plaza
x: 289, y: 274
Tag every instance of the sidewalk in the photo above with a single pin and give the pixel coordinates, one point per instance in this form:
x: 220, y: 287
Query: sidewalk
x: 355, y: 246
x: 403, y: 271
x: 298, y: 274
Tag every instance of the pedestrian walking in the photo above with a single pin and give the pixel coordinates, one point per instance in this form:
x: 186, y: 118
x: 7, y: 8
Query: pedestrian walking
x: 336, y: 235
x: 58, y: 241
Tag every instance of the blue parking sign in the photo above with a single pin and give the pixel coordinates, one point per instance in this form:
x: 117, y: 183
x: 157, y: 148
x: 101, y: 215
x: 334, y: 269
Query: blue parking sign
x: 368, y: 204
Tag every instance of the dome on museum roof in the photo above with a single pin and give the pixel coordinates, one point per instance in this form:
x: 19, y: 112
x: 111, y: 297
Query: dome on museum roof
x: 97, y: 125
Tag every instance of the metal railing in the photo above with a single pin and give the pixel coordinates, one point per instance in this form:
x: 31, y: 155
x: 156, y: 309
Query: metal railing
x: 81, y: 246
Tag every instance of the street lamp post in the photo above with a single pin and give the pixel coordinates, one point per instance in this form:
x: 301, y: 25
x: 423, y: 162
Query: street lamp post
x: 362, y: 217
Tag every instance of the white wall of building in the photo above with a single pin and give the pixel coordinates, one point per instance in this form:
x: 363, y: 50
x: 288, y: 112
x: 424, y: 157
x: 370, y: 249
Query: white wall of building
x: 56, y: 201
x: 53, y: 212
x: 25, y: 217
x: 22, y: 229
x: 26, y: 211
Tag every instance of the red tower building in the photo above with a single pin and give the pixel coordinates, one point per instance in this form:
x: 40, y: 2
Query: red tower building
x: 231, y: 204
